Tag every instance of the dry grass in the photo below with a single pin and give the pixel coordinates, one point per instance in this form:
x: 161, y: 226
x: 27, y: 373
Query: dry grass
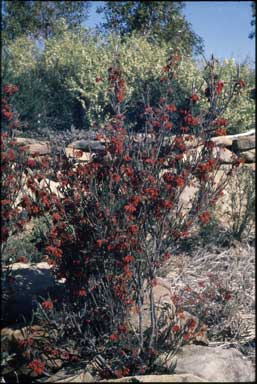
x: 209, y: 275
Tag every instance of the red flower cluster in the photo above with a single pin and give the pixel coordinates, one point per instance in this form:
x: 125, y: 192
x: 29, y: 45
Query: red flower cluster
x: 195, y: 98
x: 171, y: 108
x: 190, y: 120
x: 219, y: 87
x: 220, y: 122
x: 48, y: 305
x: 205, y: 217
x: 56, y: 252
x: 10, y: 89
x: 37, y: 366
x: 221, y: 132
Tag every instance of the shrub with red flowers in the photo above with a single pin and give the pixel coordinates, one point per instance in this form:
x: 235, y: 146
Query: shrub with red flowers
x: 121, y: 215
x: 13, y: 158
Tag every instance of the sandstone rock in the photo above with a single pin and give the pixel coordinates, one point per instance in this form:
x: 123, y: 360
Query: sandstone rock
x: 248, y: 156
x: 187, y: 197
x: 164, y: 305
x: 84, y: 156
x: 51, y: 185
x: 27, y: 283
x: 63, y: 376
x: 88, y: 145
x: 180, y: 378
x: 214, y: 364
x: 25, y: 140
x: 244, y: 143
x: 35, y: 146
x: 223, y: 140
x: 224, y: 154
x: 40, y: 148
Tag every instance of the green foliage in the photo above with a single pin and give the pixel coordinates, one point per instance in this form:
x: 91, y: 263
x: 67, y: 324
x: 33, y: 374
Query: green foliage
x: 160, y: 21
x: 65, y: 84
x: 242, y: 204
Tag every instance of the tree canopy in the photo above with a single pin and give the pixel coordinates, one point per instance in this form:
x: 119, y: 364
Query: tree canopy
x: 253, y: 21
x: 159, y: 20
x: 37, y: 18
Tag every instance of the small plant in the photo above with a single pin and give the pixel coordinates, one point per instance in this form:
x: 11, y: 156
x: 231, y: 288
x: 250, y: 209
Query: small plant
x: 242, y: 204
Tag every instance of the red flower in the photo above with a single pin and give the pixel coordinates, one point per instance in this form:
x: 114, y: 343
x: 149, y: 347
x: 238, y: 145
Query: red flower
x: 171, y: 108
x: 133, y: 228
x: 97, y: 79
x: 150, y: 161
x: 220, y: 122
x: 11, y: 155
x: 10, y: 89
x: 23, y: 259
x: 129, y: 258
x: 48, y: 305
x: 180, y: 182
x: 167, y: 204
x: 7, y: 114
x: 219, y: 87
x: 37, y: 366
x: 114, y: 337
x: 82, y: 292
x: 221, y: 132
x: 115, y: 177
x: 31, y: 163
x: 129, y: 171
x: 166, y: 256
x: 168, y: 125
x: 205, y: 217
x: 130, y: 208
x: 191, y: 324
x: 175, y: 328
x: 57, y: 252
x: 120, y: 95
x: 195, y: 98
x: 152, y: 192
x: 166, y: 68
x: 56, y: 216
x: 127, y: 158
x: 26, y: 342
x: 186, y: 336
x: 190, y: 120
x: 100, y: 242
x: 241, y: 83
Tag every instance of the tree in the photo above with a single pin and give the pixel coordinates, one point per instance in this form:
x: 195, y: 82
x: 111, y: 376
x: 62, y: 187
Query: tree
x: 160, y: 20
x: 253, y: 21
x: 38, y: 18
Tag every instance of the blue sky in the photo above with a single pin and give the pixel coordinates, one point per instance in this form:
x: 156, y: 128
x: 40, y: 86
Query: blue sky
x: 224, y: 26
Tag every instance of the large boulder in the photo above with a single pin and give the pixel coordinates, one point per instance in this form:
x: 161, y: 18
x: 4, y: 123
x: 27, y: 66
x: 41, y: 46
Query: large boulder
x: 88, y: 146
x: 215, y: 364
x: 224, y: 155
x: 244, y: 143
x: 183, y: 378
x: 162, y: 297
x: 248, y: 156
x: 23, y: 286
x: 35, y: 146
x: 66, y: 376
x: 226, y: 141
x: 79, y: 155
